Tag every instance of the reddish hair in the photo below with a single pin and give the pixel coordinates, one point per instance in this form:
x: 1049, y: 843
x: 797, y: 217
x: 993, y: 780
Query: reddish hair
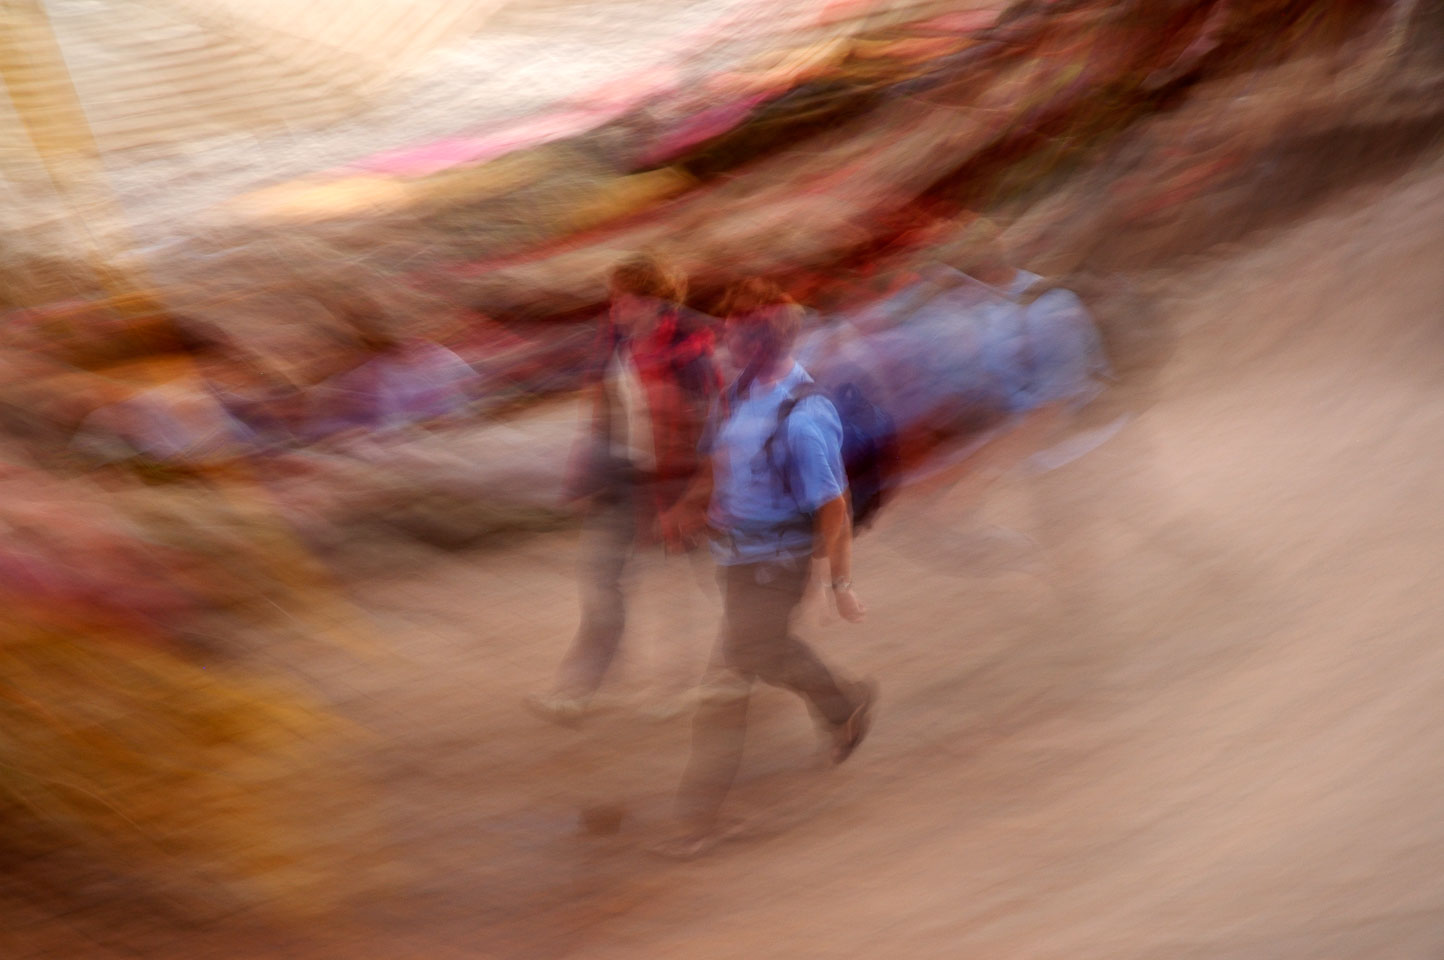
x: 756, y: 301
x: 644, y: 275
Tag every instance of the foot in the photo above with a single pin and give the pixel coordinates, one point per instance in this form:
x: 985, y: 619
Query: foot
x: 671, y: 706
x: 848, y: 735
x: 695, y: 843
x: 554, y: 708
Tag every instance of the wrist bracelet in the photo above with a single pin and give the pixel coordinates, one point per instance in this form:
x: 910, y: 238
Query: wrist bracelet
x: 841, y: 583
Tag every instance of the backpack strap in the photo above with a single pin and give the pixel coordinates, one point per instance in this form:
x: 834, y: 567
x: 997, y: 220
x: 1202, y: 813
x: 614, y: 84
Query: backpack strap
x: 728, y: 399
x: 784, y: 411
x: 723, y: 404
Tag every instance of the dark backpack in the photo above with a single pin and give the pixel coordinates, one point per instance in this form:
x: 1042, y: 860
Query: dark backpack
x: 869, y: 447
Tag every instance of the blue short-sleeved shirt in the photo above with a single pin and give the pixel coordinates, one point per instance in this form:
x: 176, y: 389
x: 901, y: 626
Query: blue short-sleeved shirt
x: 758, y: 517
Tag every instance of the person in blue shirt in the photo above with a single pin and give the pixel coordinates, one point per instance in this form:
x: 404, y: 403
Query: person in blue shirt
x: 772, y: 509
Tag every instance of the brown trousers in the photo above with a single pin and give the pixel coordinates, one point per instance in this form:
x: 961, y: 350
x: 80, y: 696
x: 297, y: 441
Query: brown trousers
x: 757, y: 643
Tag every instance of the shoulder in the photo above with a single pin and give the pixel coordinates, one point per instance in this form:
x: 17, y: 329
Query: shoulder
x: 1058, y: 305
x: 814, y: 402
x: 605, y: 340
x: 691, y: 321
x: 814, y: 415
x: 1054, y: 297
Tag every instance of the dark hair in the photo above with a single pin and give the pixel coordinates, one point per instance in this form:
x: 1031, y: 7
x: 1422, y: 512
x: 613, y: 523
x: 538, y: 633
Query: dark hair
x: 645, y: 275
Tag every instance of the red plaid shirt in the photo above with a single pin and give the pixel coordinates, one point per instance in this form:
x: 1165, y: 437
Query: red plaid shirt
x: 680, y: 380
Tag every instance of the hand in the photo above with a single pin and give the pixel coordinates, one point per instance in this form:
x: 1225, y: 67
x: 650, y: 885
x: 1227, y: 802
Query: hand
x: 681, y: 525
x: 848, y: 605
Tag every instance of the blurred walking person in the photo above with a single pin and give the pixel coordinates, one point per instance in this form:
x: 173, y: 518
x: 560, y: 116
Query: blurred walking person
x: 653, y: 381
x: 774, y: 496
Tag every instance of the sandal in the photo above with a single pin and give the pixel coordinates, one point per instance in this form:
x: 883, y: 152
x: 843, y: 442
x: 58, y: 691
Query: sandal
x: 565, y: 711
x: 690, y: 846
x: 848, y: 736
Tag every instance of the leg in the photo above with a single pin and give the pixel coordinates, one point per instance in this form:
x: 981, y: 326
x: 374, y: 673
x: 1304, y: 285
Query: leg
x: 757, y: 641
x: 759, y: 601
x: 608, y: 547
x: 718, y: 731
x: 679, y: 601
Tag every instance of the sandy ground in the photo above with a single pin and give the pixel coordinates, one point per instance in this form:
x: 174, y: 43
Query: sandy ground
x: 1200, y: 719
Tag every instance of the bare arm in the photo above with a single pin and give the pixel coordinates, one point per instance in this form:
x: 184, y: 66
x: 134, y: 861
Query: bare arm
x: 834, y: 535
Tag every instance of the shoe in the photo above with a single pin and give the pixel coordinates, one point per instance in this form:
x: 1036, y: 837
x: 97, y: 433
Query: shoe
x: 564, y: 711
x: 671, y: 707
x: 690, y: 846
x: 848, y: 735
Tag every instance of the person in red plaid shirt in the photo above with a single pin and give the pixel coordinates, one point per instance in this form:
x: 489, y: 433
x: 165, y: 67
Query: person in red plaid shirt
x: 653, y: 383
